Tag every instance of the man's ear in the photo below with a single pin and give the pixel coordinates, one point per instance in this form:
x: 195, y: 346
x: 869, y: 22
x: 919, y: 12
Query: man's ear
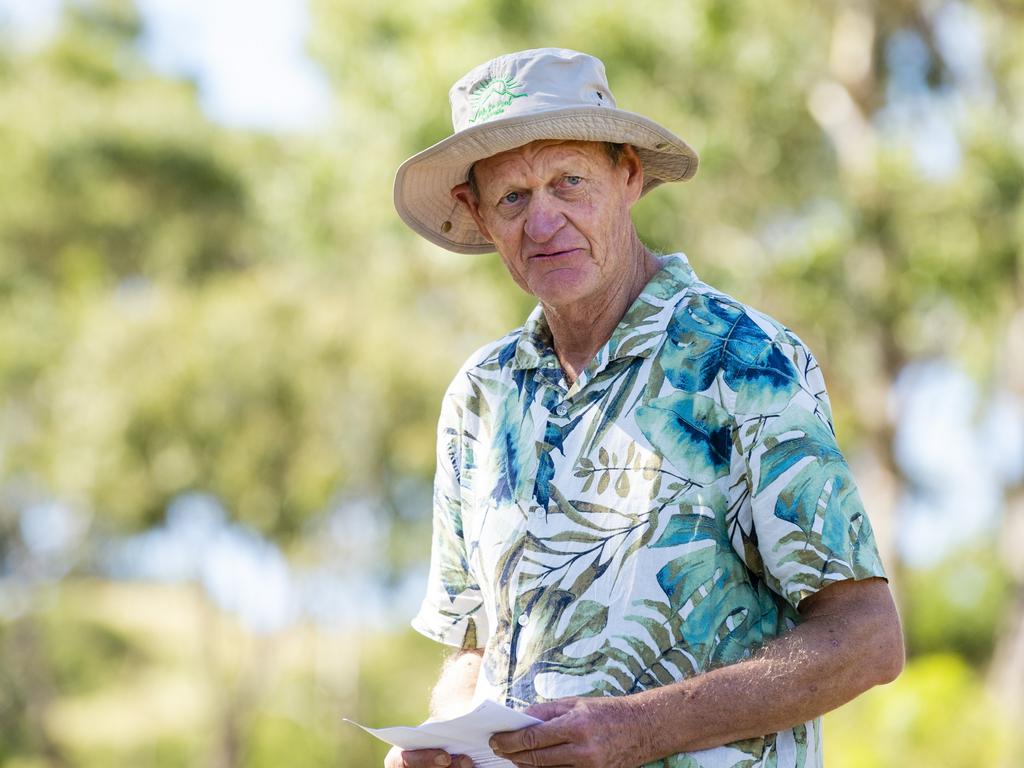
x: 630, y: 161
x: 463, y: 194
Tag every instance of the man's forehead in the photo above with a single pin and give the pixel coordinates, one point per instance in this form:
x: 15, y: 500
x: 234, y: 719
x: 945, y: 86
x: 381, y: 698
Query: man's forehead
x: 539, y: 154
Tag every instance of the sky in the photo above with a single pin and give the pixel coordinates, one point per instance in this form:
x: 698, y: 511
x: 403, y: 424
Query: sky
x: 959, y: 447
x: 247, y: 57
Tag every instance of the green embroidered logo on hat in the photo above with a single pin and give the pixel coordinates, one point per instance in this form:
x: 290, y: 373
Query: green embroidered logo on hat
x: 493, y: 96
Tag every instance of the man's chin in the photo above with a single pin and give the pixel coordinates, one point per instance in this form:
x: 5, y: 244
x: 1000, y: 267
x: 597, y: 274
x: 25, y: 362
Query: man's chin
x: 560, y: 287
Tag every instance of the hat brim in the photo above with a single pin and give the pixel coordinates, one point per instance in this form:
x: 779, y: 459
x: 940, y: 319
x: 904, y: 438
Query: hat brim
x: 423, y: 183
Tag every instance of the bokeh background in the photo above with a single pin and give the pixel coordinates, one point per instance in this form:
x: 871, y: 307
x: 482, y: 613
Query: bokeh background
x: 222, y: 354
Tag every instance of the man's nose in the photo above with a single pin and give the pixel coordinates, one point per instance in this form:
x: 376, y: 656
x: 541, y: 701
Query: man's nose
x: 543, y: 219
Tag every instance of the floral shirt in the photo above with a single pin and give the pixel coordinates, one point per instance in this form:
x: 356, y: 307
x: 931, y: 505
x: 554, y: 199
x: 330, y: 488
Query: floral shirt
x: 663, y: 515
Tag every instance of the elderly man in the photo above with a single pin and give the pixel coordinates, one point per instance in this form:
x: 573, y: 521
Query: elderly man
x: 644, y: 533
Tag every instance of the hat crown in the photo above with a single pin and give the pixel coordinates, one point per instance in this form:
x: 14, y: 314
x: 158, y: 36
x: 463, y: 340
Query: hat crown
x: 528, y: 82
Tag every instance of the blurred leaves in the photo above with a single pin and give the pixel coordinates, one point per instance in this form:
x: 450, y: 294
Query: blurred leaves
x: 193, y: 309
x: 910, y: 722
x: 958, y: 605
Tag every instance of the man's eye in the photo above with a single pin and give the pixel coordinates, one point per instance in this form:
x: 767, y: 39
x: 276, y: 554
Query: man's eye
x: 573, y: 181
x: 511, y: 197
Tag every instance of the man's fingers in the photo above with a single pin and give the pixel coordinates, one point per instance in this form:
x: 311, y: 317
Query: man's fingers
x: 560, y: 756
x: 527, y: 739
x: 425, y: 758
x: 534, y: 737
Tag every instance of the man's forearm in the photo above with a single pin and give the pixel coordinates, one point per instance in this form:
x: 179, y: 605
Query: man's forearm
x: 845, y: 646
x: 848, y: 641
x: 453, y: 692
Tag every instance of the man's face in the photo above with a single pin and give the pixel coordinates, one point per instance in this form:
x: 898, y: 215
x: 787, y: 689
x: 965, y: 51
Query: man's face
x: 558, y: 214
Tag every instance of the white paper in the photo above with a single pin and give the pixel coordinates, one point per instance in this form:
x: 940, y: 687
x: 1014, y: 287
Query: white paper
x: 468, y: 734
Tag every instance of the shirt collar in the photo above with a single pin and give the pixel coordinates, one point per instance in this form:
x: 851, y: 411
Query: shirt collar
x: 638, y: 334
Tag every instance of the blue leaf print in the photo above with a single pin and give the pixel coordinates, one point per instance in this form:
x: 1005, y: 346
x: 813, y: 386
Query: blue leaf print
x: 679, y: 578
x: 554, y: 439
x: 526, y: 384
x: 823, y: 471
x: 545, y: 473
x: 711, y: 334
x: 507, y: 352
x: 817, y: 443
x: 505, y: 453
x: 691, y: 431
x: 687, y: 528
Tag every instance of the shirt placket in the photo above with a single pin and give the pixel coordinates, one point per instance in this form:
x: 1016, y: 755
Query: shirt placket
x: 557, y: 400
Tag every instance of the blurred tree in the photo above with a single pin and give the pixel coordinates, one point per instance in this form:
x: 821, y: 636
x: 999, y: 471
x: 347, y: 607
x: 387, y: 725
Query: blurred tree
x: 938, y: 713
x: 957, y: 605
x: 130, y: 183
x: 176, y: 321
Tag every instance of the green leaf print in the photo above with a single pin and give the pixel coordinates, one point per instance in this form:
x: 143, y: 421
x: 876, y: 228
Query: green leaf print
x: 611, y: 406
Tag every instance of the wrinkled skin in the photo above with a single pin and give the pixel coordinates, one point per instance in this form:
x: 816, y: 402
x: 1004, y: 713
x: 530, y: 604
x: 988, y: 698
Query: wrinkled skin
x: 579, y: 732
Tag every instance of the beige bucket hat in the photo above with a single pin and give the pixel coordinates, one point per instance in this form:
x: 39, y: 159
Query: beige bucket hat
x: 545, y: 93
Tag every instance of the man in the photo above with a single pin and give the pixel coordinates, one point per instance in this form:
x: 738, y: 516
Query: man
x: 644, y: 533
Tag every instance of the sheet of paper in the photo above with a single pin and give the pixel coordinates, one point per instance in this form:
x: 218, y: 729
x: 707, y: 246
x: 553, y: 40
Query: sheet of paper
x: 464, y: 735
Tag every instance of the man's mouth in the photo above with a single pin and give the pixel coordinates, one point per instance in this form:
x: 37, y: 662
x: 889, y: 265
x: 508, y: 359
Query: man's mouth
x: 554, y: 254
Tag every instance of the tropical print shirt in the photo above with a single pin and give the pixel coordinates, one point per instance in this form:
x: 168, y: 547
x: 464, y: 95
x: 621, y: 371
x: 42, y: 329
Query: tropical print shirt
x: 663, y: 515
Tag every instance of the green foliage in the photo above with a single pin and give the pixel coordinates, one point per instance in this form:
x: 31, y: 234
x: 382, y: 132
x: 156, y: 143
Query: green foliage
x: 160, y: 753
x: 396, y: 675
x: 131, y: 182
x: 84, y: 656
x: 958, y: 605
x: 186, y: 311
x: 15, y: 737
x: 272, y: 741
x: 936, y: 713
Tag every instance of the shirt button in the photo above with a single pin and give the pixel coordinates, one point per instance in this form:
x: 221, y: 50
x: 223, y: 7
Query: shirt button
x: 523, y: 620
x: 550, y: 364
x: 562, y: 409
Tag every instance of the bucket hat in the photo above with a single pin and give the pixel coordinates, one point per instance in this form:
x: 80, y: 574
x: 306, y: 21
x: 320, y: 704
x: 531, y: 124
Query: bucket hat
x: 543, y: 93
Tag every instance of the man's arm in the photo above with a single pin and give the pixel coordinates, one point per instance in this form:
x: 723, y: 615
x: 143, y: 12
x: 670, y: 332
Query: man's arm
x: 850, y: 640
x: 452, y: 696
x: 453, y: 692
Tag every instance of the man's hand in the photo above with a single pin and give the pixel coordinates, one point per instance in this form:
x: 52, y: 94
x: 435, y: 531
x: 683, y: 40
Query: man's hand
x: 424, y: 758
x: 577, y: 732
x: 849, y: 640
x: 452, y: 696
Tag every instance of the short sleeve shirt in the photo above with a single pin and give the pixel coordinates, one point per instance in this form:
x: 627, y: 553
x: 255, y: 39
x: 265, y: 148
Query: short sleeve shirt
x: 663, y: 515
